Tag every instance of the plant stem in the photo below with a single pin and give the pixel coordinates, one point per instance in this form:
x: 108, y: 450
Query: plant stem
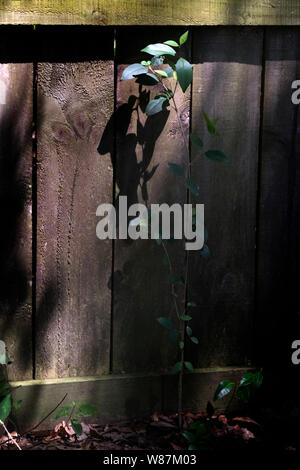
x: 182, y: 322
x: 171, y: 272
x: 10, y: 436
x: 70, y: 415
x: 52, y: 411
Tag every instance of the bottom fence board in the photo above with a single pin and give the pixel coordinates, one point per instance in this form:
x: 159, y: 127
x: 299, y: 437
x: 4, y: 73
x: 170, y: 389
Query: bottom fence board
x: 118, y: 397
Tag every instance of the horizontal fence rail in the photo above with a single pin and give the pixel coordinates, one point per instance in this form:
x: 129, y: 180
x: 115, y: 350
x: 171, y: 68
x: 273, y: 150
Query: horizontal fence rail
x: 150, y: 12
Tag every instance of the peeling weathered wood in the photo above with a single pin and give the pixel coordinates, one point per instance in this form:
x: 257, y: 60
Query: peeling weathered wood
x: 227, y: 88
x: 142, y: 291
x: 16, y: 82
x: 75, y: 101
x: 151, y: 12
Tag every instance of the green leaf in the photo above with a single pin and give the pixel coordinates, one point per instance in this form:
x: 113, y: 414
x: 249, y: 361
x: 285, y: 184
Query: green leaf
x: 157, y: 60
x: 176, y: 280
x: 184, y: 72
x: 189, y: 365
x: 165, y: 261
x: 196, y: 141
x: 191, y: 304
x: 190, y: 436
x: 183, y: 38
x: 132, y: 70
x: 192, y: 186
x: 192, y: 447
x: 205, y: 252
x: 243, y: 394
x: 165, y: 322
x: 252, y: 378
x: 216, y: 155
x: 185, y: 317
x: 169, y: 71
x: 200, y: 428
x: 64, y: 411
x: 170, y: 42
x: 5, y: 407
x: 76, y: 426
x: 181, y: 345
x: 176, y: 368
x: 147, y: 79
x: 174, y: 336
x: 4, y: 359
x: 171, y: 64
x: 159, y: 49
x: 194, y: 339
x: 223, y: 389
x: 85, y: 410
x: 189, y: 330
x: 162, y: 73
x: 4, y: 387
x: 168, y: 93
x: 17, y: 404
x: 176, y: 169
x: 156, y: 105
x: 211, y: 125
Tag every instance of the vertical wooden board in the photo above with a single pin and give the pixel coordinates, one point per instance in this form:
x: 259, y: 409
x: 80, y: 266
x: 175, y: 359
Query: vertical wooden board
x: 277, y: 237
x: 141, y: 286
x: 16, y: 83
x: 75, y: 101
x: 294, y: 251
x: 227, y: 85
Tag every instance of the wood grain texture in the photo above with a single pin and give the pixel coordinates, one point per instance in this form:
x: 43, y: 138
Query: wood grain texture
x: 278, y: 236
x: 15, y: 200
x: 151, y: 12
x: 75, y: 100
x: 142, y: 292
x: 223, y: 286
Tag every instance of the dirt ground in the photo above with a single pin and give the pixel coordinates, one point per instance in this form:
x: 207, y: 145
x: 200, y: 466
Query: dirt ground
x: 161, y: 433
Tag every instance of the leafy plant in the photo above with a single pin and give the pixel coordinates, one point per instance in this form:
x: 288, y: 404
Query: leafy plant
x: 249, y: 383
x: 198, y: 436
x: 164, y: 72
x: 74, y: 411
x: 6, y: 400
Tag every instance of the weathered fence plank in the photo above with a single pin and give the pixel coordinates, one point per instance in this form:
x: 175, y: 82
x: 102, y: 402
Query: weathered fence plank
x: 16, y: 82
x: 151, y: 12
x: 227, y: 83
x: 75, y: 101
x: 278, y: 236
x: 144, y: 148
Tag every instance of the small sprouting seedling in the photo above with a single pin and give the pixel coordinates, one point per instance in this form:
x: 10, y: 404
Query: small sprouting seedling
x: 249, y: 383
x: 164, y: 72
x: 74, y: 412
x: 198, y: 436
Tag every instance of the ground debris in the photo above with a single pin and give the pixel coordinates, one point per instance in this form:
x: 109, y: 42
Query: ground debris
x: 159, y: 432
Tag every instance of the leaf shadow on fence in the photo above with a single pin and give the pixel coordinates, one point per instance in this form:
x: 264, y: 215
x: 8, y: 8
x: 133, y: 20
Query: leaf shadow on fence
x: 130, y: 173
x: 130, y: 137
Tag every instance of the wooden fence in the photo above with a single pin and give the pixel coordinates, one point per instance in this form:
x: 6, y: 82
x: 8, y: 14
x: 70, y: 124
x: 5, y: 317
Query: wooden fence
x: 73, y: 306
